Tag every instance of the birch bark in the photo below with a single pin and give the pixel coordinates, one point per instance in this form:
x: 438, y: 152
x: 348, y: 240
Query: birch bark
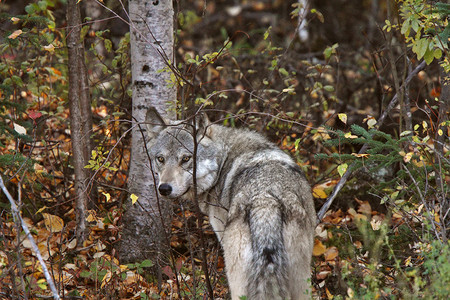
x: 145, y: 222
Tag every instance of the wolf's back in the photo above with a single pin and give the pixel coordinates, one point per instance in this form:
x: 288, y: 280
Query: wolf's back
x: 270, y: 218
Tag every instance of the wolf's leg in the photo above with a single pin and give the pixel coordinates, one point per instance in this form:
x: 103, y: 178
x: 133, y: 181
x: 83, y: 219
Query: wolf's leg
x: 299, y: 244
x: 237, y: 251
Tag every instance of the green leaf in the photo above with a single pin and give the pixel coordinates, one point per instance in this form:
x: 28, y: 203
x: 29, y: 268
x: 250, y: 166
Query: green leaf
x: 296, y: 143
x: 342, y: 169
x: 266, y: 34
x: 420, y: 47
x: 283, y: 72
x: 329, y: 88
x: 405, y: 27
x: 437, y: 53
x: 146, y: 264
x: 429, y: 56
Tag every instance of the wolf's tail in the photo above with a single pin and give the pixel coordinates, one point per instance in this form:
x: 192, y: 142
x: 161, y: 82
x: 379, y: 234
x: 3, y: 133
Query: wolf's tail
x: 268, y: 278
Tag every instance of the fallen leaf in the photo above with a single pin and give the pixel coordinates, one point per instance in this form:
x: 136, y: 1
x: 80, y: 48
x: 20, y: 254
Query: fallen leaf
x: 49, y: 48
x: 106, y: 278
x: 53, y: 223
x: 318, y: 192
x: 331, y: 253
x: 107, y: 195
x: 323, y: 274
x: 376, y: 224
x: 364, y: 207
x: 329, y: 295
x: 319, y: 248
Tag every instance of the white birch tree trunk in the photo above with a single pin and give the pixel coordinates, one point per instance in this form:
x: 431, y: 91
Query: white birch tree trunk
x: 151, y: 47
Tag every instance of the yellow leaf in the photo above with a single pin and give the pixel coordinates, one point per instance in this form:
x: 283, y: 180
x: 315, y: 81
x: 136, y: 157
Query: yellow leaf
x: 440, y: 132
x: 407, y: 157
x: 15, y: 20
x: 15, y: 34
x: 349, y: 135
x: 408, y: 262
x: 371, y: 123
x: 91, y: 216
x: 363, y: 155
x: 329, y: 295
x: 133, y: 198
x: 319, y: 248
x: 107, y: 195
x: 49, y: 48
x: 436, y: 218
x: 318, y: 192
x: 350, y: 293
x: 42, y: 283
x: 53, y: 223
x: 41, y: 209
x: 343, y: 118
x: 106, y: 279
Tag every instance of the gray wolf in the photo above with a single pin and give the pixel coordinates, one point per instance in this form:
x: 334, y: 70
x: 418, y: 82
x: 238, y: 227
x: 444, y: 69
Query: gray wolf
x: 258, y: 202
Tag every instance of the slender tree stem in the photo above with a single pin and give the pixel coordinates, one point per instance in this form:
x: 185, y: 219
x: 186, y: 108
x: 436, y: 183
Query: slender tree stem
x: 18, y: 218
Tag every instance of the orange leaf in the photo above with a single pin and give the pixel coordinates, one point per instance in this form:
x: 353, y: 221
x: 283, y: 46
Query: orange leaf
x: 436, y: 92
x: 319, y: 248
x: 331, y: 253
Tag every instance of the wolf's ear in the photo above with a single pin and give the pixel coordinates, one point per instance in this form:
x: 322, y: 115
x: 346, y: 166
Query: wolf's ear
x: 203, y: 125
x: 155, y: 122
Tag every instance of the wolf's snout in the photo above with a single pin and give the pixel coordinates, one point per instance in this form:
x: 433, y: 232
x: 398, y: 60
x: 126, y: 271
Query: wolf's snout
x: 165, y: 189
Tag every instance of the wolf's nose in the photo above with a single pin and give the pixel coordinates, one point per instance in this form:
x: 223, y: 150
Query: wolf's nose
x: 165, y: 189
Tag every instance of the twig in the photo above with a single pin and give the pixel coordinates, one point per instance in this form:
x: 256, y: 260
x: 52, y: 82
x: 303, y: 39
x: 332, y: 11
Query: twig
x: 17, y: 215
x: 422, y: 198
x: 380, y: 121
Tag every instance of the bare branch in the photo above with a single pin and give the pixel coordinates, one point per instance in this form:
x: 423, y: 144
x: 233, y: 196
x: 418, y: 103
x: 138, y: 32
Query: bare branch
x: 17, y: 216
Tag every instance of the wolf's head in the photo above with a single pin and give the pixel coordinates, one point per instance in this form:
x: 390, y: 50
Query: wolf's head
x: 171, y: 150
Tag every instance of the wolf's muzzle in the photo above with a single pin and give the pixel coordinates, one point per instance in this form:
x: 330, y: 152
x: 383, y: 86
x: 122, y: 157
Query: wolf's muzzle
x: 165, y: 189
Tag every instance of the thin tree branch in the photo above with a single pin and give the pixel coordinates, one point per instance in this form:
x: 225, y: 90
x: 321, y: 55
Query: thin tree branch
x: 17, y: 216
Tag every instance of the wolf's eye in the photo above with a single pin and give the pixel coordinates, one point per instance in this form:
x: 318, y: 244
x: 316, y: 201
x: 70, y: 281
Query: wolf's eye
x: 185, y: 159
x: 160, y: 159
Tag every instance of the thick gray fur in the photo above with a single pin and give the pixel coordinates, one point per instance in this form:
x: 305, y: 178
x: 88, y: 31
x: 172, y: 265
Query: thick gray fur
x: 257, y: 199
